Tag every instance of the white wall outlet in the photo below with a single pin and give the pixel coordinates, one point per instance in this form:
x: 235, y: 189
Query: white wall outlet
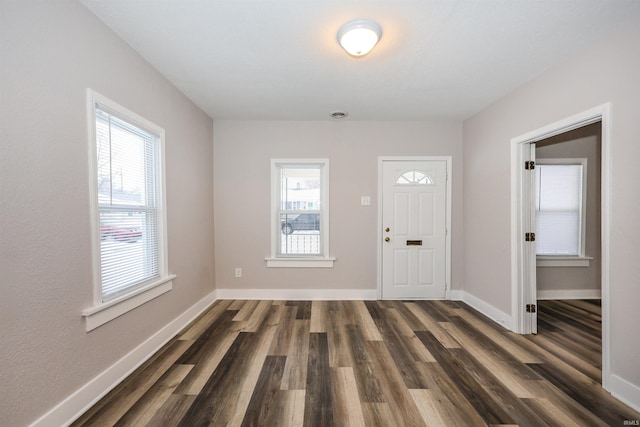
x: 365, y: 200
x: 238, y: 272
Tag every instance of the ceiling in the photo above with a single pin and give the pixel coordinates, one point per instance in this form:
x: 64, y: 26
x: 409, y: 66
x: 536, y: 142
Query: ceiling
x: 279, y: 59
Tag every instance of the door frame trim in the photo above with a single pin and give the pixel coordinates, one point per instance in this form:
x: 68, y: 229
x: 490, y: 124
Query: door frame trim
x: 449, y: 162
x: 521, y: 285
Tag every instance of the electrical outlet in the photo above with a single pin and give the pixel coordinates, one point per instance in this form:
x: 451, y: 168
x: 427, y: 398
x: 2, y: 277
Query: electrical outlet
x: 365, y: 201
x: 238, y: 272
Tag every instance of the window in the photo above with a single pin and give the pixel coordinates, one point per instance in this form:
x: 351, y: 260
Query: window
x: 560, y: 207
x: 299, y: 220
x: 128, y: 201
x: 414, y: 177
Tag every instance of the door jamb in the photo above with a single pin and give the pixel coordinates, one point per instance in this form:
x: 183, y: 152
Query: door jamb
x: 520, y: 283
x: 447, y: 159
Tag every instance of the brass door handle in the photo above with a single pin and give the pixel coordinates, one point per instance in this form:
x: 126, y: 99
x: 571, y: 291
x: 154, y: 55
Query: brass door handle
x: 386, y: 239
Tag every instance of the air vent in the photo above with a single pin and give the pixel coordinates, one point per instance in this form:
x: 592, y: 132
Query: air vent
x: 339, y: 114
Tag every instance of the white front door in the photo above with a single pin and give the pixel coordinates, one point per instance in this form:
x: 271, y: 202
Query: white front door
x: 414, y: 235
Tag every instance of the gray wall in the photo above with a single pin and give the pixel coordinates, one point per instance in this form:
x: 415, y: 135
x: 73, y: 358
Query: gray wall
x: 51, y: 52
x: 606, y: 71
x: 242, y: 152
x: 579, y: 143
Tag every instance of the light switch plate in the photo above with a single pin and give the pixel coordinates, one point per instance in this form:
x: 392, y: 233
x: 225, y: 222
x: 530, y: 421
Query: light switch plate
x: 365, y: 200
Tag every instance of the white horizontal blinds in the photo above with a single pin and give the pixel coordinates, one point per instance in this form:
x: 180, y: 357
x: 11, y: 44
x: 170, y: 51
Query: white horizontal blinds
x: 558, y: 209
x: 128, y: 200
x: 300, y: 209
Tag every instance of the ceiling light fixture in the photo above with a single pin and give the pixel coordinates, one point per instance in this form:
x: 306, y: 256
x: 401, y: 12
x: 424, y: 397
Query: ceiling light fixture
x: 358, y: 37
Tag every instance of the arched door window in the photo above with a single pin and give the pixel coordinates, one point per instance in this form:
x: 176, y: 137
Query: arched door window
x: 414, y: 177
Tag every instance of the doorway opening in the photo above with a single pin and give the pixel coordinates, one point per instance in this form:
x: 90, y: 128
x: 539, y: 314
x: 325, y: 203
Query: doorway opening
x: 524, y: 263
x: 568, y: 247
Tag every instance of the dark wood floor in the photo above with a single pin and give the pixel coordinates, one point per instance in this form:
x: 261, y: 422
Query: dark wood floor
x: 374, y: 363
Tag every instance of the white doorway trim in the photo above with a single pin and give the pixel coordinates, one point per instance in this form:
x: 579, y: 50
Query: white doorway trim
x: 379, y: 234
x: 521, y: 286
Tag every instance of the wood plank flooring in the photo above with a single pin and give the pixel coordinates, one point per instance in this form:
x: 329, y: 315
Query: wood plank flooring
x: 369, y: 363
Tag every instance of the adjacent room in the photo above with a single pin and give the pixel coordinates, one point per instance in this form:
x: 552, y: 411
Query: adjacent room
x: 233, y: 213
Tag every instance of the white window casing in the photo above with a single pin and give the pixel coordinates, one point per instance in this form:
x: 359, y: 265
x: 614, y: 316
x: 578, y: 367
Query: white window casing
x: 128, y: 210
x: 300, y: 213
x: 561, y: 196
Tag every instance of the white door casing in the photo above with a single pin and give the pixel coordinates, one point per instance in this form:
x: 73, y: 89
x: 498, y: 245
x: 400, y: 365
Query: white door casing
x: 414, y: 228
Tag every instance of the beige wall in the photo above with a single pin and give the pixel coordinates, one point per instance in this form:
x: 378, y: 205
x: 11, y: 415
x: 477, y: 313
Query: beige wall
x: 606, y: 71
x: 579, y: 143
x: 51, y: 52
x: 242, y: 152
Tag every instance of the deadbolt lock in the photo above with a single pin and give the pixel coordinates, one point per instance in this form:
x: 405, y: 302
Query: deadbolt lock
x: 387, y: 229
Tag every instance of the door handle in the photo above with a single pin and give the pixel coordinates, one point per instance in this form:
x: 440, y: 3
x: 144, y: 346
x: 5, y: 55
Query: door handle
x: 386, y: 239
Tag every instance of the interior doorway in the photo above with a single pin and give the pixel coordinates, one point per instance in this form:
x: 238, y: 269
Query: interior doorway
x: 524, y: 289
x: 568, y: 247
x: 568, y: 215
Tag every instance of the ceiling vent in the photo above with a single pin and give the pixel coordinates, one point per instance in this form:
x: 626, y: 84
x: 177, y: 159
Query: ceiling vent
x: 339, y: 114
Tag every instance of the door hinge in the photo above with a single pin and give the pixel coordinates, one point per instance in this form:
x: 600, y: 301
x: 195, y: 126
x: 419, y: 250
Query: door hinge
x: 531, y: 308
x: 529, y: 237
x: 529, y: 165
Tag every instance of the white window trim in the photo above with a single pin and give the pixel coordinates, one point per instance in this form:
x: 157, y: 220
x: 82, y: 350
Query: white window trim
x: 288, y: 261
x: 580, y: 260
x: 100, y: 313
x: 563, y: 261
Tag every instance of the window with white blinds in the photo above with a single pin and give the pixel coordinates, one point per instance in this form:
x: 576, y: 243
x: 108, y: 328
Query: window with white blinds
x: 129, y: 202
x: 560, y: 205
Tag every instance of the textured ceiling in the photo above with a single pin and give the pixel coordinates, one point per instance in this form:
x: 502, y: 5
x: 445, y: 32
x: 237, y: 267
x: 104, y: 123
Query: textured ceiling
x: 279, y: 59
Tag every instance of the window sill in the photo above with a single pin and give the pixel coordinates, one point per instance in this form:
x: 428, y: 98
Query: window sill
x: 100, y: 314
x: 563, y: 261
x: 300, y: 262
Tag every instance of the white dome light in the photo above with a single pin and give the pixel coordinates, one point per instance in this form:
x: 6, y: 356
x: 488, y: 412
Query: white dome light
x: 359, y: 37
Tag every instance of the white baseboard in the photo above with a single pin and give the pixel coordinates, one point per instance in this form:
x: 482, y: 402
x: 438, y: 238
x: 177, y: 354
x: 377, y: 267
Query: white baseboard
x: 570, y: 294
x: 82, y: 399
x: 626, y: 392
x: 488, y: 310
x: 298, y: 294
x: 456, y: 294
